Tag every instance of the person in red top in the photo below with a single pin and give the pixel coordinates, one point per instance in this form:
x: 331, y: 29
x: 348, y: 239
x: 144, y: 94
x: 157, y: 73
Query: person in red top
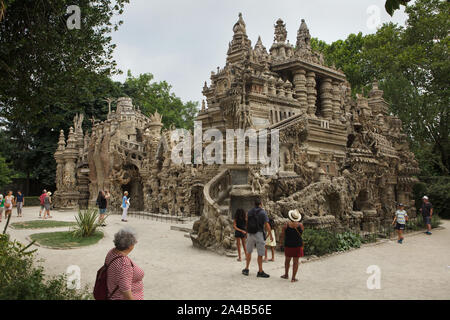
x: 124, y: 276
x: 41, y: 199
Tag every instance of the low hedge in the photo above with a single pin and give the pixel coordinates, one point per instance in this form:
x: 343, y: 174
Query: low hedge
x: 319, y: 242
x: 32, y: 201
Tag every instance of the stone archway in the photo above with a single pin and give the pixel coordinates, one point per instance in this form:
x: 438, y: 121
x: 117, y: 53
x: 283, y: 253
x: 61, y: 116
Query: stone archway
x: 134, y: 187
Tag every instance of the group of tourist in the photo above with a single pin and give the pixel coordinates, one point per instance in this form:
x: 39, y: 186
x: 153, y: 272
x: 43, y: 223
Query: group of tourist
x: 9, y: 201
x: 125, y: 278
x: 251, y: 230
x: 102, y: 204
x: 401, y: 218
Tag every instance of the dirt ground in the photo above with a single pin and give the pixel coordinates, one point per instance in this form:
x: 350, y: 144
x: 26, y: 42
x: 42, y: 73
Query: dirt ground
x: 417, y: 269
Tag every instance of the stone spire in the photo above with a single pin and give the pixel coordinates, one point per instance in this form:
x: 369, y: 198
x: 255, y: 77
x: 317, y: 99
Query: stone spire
x: 240, y: 27
x: 62, y: 141
x: 240, y: 45
x: 303, y: 36
x: 280, y: 32
x: 259, y: 45
x: 71, y: 141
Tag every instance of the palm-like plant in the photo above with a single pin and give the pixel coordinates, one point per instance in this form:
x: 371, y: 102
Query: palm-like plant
x: 87, y: 223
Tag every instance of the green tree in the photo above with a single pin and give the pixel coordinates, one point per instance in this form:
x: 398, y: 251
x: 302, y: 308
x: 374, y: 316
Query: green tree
x: 412, y: 64
x: 5, y: 172
x: 49, y: 73
x: 157, y: 96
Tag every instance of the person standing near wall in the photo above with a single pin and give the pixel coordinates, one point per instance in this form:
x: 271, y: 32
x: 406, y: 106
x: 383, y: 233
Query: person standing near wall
x: 47, y: 203
x: 240, y: 232
x: 125, y: 206
x: 427, y: 213
x: 257, y: 220
x: 41, y: 200
x: 20, y: 202
x: 293, y: 243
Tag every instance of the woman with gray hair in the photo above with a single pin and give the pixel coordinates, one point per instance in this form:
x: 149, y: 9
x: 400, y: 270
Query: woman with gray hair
x: 124, y: 276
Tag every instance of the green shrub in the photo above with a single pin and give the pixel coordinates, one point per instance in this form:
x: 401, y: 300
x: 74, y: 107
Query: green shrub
x: 319, y: 241
x: 20, y: 279
x: 348, y: 240
x: 87, y: 223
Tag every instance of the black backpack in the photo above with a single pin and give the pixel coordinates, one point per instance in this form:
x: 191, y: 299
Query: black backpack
x: 252, y: 221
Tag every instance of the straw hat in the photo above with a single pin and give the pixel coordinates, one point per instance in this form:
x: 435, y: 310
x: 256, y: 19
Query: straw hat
x: 49, y: 193
x: 294, y: 215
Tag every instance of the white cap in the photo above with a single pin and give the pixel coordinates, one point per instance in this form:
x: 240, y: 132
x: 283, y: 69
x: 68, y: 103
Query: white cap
x: 425, y: 197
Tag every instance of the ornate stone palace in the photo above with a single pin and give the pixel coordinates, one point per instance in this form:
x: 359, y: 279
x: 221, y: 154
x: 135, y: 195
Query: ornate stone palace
x: 344, y: 163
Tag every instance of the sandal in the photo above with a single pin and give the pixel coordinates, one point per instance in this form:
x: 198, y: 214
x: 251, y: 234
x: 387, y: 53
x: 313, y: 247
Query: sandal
x: 284, y: 276
x: 294, y: 280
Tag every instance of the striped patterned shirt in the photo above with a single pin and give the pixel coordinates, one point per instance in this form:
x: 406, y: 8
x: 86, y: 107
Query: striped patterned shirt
x: 125, y: 275
x: 401, y: 216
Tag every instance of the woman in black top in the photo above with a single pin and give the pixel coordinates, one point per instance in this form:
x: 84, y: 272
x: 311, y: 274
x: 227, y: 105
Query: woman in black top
x: 293, y: 243
x: 102, y: 204
x: 240, y: 231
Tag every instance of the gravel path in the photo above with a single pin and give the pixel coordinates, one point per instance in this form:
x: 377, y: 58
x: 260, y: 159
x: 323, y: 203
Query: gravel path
x: 417, y: 269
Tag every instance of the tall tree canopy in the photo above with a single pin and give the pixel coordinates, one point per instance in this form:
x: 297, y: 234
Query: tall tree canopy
x: 157, y: 96
x: 412, y: 64
x: 50, y: 72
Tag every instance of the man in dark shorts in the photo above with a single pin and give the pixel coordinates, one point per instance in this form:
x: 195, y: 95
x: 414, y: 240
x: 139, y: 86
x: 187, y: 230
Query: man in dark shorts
x: 427, y: 213
x: 257, y: 219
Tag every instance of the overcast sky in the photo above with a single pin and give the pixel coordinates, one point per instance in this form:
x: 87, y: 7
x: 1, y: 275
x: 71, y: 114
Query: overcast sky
x: 182, y: 41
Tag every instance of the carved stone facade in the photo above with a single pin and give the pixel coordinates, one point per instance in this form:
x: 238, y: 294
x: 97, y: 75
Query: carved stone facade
x: 344, y: 163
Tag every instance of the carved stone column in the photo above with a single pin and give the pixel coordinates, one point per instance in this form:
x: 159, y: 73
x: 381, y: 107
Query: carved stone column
x: 70, y: 196
x: 59, y: 154
x: 326, y: 98
x: 336, y: 101
x: 311, y: 92
x: 300, y: 88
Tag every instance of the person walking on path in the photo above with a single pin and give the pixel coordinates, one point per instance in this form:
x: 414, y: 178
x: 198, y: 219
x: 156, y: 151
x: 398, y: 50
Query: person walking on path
x: 20, y: 202
x: 257, y: 219
x: 2, y: 206
x: 41, y: 200
x: 124, y: 277
x: 271, y: 244
x: 293, y: 243
x: 47, y: 203
x: 240, y: 231
x: 400, y: 219
x: 9, y: 203
x: 427, y: 213
x: 125, y: 206
x: 102, y: 203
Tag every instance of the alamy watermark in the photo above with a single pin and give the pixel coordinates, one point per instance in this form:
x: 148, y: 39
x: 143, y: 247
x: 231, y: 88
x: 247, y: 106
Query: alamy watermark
x: 73, y: 273
x: 374, y: 19
x: 214, y: 142
x: 374, y: 280
x: 74, y: 20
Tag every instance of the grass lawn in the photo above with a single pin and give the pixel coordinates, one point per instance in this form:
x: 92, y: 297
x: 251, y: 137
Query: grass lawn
x: 64, y: 239
x: 39, y: 224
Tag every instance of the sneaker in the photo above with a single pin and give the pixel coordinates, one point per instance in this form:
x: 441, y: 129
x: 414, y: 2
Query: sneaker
x: 245, y: 272
x: 428, y: 233
x: 262, y: 275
